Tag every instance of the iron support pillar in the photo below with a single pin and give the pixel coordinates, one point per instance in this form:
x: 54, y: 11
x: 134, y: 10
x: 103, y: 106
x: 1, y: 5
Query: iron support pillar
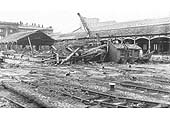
x: 149, y: 45
x: 6, y: 32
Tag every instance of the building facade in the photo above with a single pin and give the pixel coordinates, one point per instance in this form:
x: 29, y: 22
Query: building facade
x: 149, y: 34
x: 7, y: 28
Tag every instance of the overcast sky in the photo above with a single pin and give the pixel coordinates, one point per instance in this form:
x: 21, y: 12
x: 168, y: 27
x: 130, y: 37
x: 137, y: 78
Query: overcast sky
x: 62, y: 14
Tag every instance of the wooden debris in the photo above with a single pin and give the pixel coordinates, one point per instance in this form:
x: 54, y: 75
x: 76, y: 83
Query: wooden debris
x: 145, y: 58
x: 71, y: 50
x: 92, y: 53
x: 68, y: 57
x: 93, y: 50
x: 30, y: 44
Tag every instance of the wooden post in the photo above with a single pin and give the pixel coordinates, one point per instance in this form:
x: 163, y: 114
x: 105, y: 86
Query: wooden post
x: 30, y: 44
x: 112, y: 86
x: 6, y: 46
x: 134, y: 41
x: 6, y: 32
x: 12, y: 46
x: 57, y: 58
x: 98, y: 38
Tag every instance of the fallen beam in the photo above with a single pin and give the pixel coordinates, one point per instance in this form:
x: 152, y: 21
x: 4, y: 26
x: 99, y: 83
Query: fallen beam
x: 71, y: 50
x: 68, y: 57
x: 94, y: 50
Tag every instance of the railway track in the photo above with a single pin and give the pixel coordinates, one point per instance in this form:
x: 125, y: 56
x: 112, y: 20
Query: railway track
x: 140, y: 87
x: 104, y: 99
x: 16, y: 103
x: 165, y: 81
x: 17, y: 100
x: 134, y: 85
x: 92, y: 97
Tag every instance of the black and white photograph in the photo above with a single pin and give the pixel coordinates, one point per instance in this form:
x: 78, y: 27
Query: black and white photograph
x: 84, y: 54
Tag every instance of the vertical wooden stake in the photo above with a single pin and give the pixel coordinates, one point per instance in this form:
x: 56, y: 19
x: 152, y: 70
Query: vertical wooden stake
x: 30, y: 44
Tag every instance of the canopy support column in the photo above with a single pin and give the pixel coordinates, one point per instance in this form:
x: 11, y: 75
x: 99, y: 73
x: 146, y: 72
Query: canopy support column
x: 149, y: 45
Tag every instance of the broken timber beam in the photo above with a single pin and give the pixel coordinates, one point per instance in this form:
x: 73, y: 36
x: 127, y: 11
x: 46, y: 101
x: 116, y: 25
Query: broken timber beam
x: 71, y: 50
x: 68, y: 57
x: 94, y: 49
x: 54, y: 47
x: 57, y: 58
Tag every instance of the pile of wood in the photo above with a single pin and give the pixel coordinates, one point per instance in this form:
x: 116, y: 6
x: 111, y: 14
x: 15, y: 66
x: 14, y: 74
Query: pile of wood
x: 145, y: 58
x: 68, y: 52
x: 80, y: 54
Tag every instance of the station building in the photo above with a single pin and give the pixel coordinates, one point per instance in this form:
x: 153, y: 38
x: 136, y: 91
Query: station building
x: 149, y: 34
x: 7, y: 28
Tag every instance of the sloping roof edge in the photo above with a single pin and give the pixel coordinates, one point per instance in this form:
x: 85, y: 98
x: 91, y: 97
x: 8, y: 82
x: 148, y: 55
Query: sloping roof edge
x: 19, y: 35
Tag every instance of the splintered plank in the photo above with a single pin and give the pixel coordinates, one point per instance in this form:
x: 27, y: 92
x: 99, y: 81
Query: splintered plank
x: 68, y: 57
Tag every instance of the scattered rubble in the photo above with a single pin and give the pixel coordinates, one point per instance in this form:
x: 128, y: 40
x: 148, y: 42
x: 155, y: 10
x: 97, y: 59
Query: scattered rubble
x: 39, y: 80
x: 87, y: 71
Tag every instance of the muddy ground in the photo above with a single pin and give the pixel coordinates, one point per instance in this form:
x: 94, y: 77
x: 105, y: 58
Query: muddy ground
x: 43, y: 79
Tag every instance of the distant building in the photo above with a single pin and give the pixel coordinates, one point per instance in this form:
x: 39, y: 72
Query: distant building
x: 26, y: 27
x: 7, y: 28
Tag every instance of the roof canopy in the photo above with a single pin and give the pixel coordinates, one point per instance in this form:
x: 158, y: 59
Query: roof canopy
x: 130, y: 46
x: 69, y: 36
x: 129, y: 24
x: 36, y: 37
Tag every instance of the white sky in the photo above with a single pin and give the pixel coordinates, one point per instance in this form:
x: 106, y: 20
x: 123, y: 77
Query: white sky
x: 62, y: 14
